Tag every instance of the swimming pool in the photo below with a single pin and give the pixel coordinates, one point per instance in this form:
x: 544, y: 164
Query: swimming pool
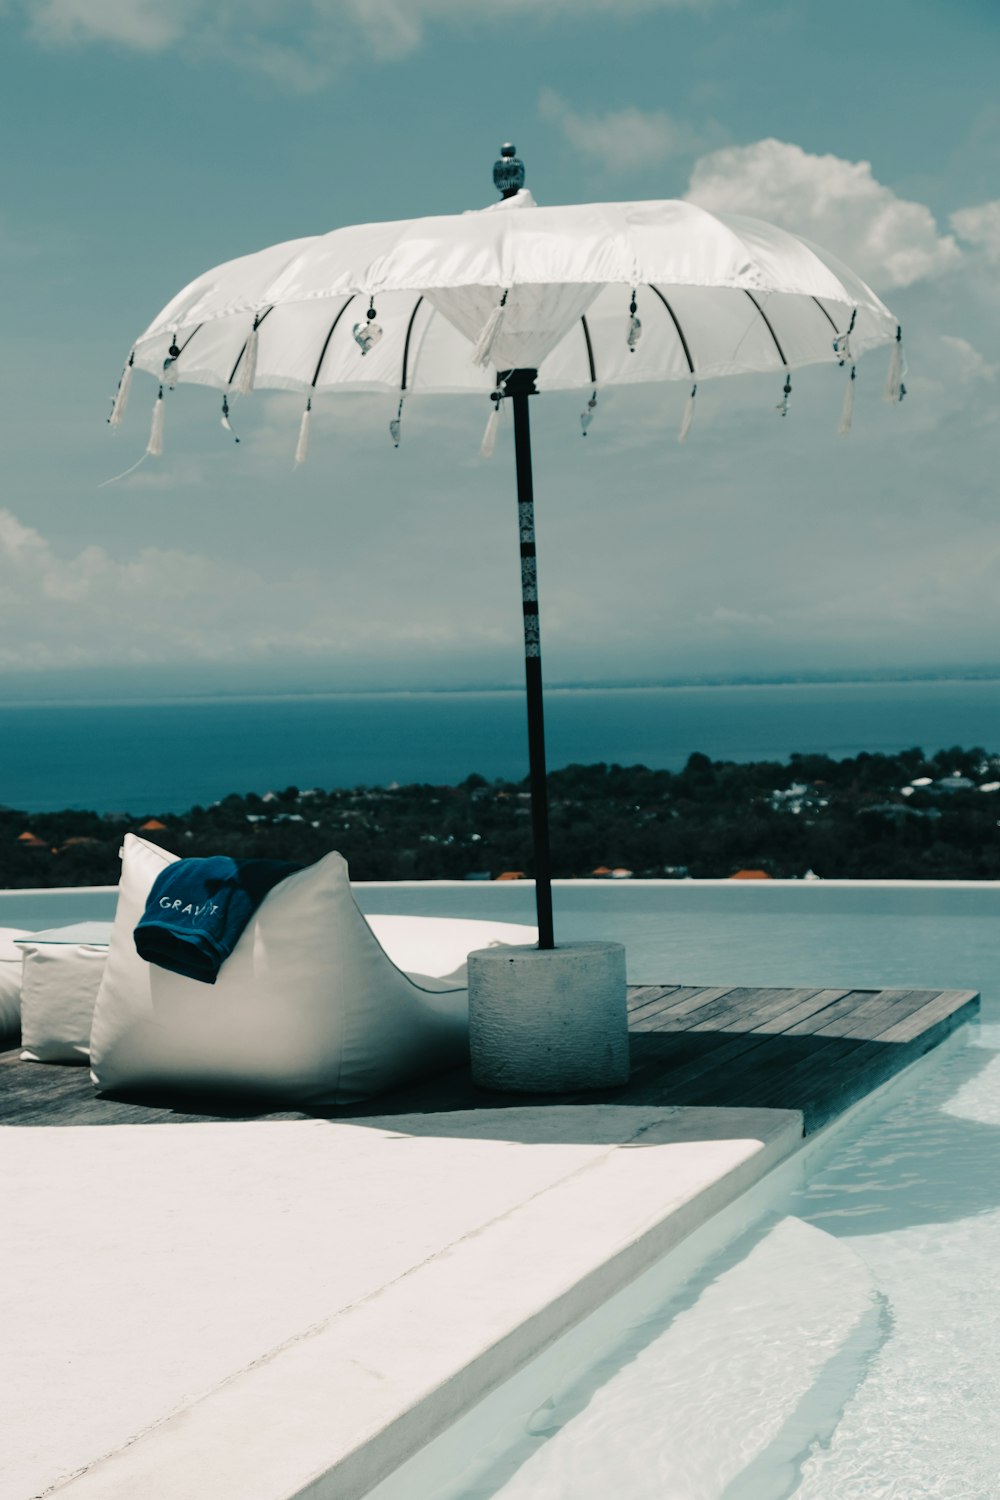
x: 845, y: 1346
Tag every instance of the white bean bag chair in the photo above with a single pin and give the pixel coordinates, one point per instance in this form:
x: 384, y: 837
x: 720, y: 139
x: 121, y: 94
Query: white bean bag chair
x: 309, y: 1011
x: 10, y: 985
x: 58, y: 991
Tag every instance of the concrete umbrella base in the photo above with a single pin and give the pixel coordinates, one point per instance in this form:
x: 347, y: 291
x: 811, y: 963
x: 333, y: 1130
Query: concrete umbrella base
x: 548, y: 1021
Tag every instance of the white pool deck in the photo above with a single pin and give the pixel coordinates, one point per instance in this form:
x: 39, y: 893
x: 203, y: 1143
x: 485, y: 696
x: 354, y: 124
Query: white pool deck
x: 257, y: 1310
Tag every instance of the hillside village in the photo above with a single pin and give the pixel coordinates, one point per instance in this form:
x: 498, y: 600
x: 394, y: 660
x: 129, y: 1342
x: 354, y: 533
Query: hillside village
x: 905, y: 816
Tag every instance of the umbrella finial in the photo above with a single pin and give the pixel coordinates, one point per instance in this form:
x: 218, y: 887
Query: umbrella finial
x: 508, y: 171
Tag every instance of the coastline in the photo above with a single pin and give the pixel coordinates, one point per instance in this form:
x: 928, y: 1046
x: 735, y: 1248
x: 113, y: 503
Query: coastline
x: 708, y: 684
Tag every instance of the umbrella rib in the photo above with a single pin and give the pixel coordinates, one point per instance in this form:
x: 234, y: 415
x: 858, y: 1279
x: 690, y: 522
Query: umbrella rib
x: 827, y: 316
x: 180, y: 350
x: 590, y: 350
x: 769, y: 327
x: 189, y: 338
x: 406, y: 341
x: 676, y: 323
x: 326, y: 341
x: 257, y: 322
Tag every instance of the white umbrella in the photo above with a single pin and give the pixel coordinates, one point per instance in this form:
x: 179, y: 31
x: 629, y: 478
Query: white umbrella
x: 509, y: 301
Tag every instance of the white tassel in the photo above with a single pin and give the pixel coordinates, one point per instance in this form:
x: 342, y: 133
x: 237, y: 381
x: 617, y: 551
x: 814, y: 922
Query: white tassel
x: 894, y: 389
x: 169, y: 376
x: 121, y: 395
x: 302, y: 447
x: 847, y: 410
x: 634, y: 325
x: 688, y: 416
x: 490, y: 435
x: 224, y: 418
x: 155, y: 445
x: 842, y: 343
x: 247, y: 372
x: 490, y: 333
x: 396, y: 424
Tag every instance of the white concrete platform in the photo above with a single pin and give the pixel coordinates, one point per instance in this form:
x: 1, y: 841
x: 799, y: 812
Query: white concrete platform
x: 277, y: 1309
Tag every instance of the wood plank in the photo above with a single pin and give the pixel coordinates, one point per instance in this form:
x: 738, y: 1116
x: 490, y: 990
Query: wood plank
x: 684, y: 1003
x: 692, y: 1000
x: 654, y: 1002
x: 945, y: 1003
x: 848, y: 1003
x: 734, y: 1002
x: 760, y: 1005
x: 797, y: 1066
x: 707, y: 1054
x: 784, y: 1011
x: 873, y: 1013
x: 816, y: 1001
x: 640, y: 995
x: 775, y: 1068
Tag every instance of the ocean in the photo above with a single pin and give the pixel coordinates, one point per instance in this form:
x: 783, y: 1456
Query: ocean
x: 166, y: 756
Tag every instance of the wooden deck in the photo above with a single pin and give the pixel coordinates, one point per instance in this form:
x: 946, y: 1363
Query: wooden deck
x: 816, y: 1050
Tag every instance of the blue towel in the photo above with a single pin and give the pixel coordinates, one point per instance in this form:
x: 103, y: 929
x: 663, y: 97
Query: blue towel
x: 198, y: 908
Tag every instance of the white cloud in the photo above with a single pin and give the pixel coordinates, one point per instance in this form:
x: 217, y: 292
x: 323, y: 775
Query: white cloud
x: 143, y: 25
x: 392, y: 27
x: 298, y: 46
x: 623, y: 139
x: 57, y: 610
x: 980, y: 226
x: 170, y: 607
x: 890, y: 241
x: 969, y: 364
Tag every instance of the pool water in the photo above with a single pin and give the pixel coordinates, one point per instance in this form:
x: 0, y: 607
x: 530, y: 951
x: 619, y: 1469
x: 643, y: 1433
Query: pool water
x: 916, y: 1196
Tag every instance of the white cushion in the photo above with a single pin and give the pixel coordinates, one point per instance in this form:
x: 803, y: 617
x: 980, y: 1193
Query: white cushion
x: 438, y: 947
x: 308, y: 1010
x: 58, y: 990
x: 10, y: 984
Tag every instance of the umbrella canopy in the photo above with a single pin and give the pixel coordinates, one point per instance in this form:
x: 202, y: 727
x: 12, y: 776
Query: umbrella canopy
x: 506, y: 302
x: 715, y: 295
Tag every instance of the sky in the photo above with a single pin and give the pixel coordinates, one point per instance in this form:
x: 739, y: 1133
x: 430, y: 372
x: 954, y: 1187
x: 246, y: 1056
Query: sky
x: 144, y: 143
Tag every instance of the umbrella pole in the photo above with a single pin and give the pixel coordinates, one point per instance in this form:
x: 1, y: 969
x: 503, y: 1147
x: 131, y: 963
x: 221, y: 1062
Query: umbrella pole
x: 519, y: 385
